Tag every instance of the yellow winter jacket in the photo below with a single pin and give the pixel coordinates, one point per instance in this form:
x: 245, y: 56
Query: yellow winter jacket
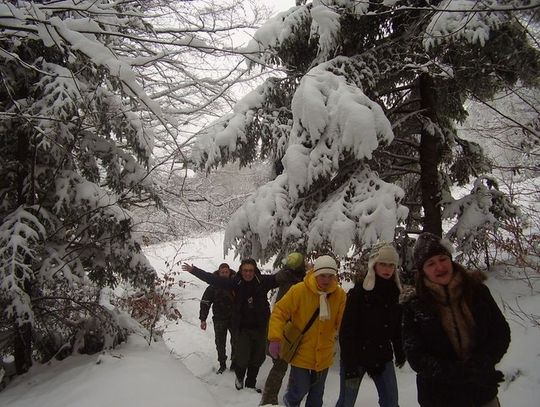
x: 316, y: 351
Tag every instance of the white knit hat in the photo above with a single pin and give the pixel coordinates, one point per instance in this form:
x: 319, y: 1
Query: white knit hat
x: 381, y: 253
x: 324, y: 265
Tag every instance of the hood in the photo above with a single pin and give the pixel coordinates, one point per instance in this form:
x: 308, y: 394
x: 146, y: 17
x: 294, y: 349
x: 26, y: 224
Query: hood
x: 311, y: 283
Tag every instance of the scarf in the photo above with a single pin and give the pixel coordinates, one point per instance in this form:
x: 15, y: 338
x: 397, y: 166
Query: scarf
x: 456, y: 317
x: 324, y: 307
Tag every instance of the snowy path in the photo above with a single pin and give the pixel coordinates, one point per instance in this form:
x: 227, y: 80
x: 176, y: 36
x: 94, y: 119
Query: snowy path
x: 183, y: 374
x: 196, y: 349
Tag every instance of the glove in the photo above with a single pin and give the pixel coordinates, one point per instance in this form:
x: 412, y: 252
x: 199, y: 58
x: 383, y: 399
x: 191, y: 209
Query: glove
x: 273, y: 349
x: 482, y: 375
x: 203, y: 325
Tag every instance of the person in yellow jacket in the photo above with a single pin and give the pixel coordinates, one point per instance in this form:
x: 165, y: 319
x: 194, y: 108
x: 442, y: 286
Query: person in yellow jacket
x: 315, y: 354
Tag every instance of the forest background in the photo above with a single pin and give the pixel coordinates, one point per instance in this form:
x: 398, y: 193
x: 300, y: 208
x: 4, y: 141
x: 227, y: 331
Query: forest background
x: 339, y: 123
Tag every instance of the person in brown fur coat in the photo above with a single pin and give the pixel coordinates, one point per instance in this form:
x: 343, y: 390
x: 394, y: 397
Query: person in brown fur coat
x: 453, y: 331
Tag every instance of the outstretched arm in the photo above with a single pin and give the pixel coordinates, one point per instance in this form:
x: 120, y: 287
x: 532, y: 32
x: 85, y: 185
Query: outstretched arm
x: 210, y: 278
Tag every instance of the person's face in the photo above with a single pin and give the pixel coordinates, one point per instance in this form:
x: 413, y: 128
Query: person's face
x: 248, y: 272
x: 224, y: 272
x: 324, y: 281
x: 385, y: 270
x: 438, y: 269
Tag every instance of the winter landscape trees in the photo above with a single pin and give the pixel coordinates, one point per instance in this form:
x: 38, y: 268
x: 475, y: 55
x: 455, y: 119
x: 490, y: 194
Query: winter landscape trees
x: 92, y: 94
x: 101, y: 102
x: 364, y: 121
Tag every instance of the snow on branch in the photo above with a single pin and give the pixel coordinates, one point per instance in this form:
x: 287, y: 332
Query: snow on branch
x: 363, y: 211
x: 220, y: 141
x: 469, y: 20
x: 333, y: 118
x: 18, y: 233
x: 322, y: 18
x: 315, y: 202
x: 40, y: 23
x: 477, y: 212
x: 274, y: 32
x: 259, y: 222
x: 326, y: 27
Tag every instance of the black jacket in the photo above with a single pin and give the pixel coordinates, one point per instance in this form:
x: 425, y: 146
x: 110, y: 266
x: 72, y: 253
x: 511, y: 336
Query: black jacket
x: 288, y: 277
x: 442, y: 379
x: 371, y: 328
x: 220, y: 299
x: 251, y: 308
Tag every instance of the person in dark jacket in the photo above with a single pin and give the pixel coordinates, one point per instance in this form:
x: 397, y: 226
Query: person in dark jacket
x: 370, y: 333
x: 250, y: 316
x: 453, y: 331
x: 221, y: 301
x: 293, y: 272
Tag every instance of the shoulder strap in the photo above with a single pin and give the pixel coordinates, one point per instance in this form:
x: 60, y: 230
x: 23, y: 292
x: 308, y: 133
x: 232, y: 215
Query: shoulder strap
x: 311, y: 321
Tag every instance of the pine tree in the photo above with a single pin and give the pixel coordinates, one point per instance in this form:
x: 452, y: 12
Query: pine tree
x: 81, y: 96
x: 415, y: 62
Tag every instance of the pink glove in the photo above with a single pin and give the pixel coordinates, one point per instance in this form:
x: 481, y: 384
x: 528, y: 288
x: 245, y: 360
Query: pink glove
x: 273, y: 349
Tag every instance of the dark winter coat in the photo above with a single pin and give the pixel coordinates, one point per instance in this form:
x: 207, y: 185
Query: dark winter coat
x: 288, y: 277
x: 251, y: 308
x: 442, y: 379
x: 220, y: 299
x: 370, y: 332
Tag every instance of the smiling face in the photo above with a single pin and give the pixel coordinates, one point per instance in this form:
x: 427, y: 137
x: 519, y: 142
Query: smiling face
x: 385, y: 270
x: 248, y: 272
x: 439, y: 269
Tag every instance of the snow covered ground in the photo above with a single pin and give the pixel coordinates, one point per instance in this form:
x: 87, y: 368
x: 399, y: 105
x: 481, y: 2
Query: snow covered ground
x: 180, y: 371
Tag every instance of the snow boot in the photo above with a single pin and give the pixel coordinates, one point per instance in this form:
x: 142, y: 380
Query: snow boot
x: 222, y: 368
x: 254, y: 388
x: 239, y: 384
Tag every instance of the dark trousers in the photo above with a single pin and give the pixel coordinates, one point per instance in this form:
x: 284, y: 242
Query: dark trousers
x: 274, y: 381
x: 220, y: 330
x: 250, y: 354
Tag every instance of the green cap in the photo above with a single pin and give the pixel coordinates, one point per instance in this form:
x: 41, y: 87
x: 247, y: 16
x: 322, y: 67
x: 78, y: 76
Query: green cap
x: 294, y: 260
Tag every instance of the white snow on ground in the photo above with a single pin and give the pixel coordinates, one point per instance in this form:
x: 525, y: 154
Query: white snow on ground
x: 180, y: 371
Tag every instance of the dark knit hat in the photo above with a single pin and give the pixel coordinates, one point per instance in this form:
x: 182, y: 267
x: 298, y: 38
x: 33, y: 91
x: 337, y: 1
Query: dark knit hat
x: 428, y: 245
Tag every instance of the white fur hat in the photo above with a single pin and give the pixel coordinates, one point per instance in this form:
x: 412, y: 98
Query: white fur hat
x: 381, y: 253
x: 324, y: 265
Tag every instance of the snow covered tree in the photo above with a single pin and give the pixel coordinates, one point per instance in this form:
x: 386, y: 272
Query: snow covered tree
x: 81, y: 96
x: 507, y: 128
x: 369, y: 99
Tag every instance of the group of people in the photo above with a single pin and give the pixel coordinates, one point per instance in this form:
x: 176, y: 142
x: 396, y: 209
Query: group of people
x: 451, y: 331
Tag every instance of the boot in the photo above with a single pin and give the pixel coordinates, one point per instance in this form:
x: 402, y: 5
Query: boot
x: 251, y: 378
x: 222, y: 368
x: 239, y: 382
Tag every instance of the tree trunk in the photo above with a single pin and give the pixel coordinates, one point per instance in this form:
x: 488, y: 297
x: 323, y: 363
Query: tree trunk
x: 22, y: 339
x: 429, y: 162
x: 23, y: 348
